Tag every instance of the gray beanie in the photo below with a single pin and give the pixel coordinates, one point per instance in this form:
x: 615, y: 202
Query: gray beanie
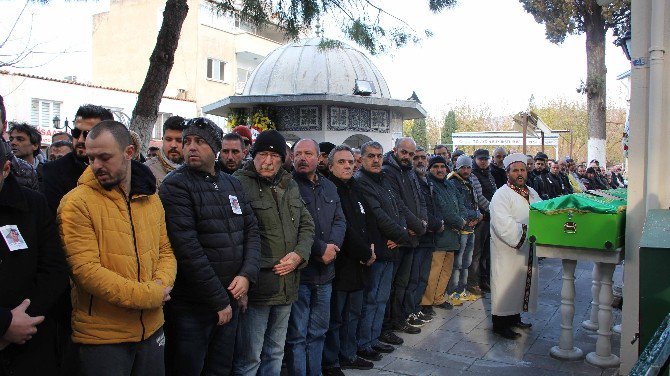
x: 463, y: 161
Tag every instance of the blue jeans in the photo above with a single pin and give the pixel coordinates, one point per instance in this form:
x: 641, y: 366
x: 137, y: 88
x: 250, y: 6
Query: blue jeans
x: 307, y: 327
x: 423, y: 259
x: 195, y: 344
x: 462, y: 260
x: 345, y: 313
x: 376, y: 296
x: 261, y: 333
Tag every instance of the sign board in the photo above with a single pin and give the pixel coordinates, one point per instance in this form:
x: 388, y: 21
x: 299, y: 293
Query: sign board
x: 47, y: 133
x: 503, y: 141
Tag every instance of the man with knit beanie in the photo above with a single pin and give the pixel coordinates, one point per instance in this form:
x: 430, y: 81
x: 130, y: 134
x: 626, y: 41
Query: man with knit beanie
x: 287, y: 234
x: 214, y: 234
x: 462, y: 259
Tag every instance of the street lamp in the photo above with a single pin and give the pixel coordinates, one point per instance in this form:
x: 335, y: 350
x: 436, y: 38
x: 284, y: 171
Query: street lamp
x: 56, y: 122
x: 624, y: 42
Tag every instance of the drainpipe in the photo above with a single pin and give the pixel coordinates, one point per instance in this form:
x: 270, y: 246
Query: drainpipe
x: 656, y: 131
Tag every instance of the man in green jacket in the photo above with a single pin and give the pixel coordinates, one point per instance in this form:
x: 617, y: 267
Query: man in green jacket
x: 287, y: 233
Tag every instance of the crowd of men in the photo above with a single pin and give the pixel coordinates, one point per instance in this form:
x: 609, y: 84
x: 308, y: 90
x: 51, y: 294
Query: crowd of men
x: 226, y: 255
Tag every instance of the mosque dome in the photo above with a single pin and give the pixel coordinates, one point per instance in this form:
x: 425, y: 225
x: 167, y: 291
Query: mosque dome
x: 302, y: 67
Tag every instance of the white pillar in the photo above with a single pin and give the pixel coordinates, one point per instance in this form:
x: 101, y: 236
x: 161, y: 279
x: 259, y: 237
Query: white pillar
x: 592, y: 322
x: 566, y: 349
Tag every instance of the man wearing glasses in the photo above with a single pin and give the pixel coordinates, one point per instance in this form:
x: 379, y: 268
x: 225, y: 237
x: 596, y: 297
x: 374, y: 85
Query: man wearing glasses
x: 61, y: 176
x: 287, y: 233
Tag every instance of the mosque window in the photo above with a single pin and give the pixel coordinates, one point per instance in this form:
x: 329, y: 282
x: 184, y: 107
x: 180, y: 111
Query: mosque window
x: 339, y: 118
x: 309, y: 117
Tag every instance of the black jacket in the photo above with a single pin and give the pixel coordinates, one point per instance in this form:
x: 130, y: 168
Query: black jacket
x: 349, y: 270
x: 388, y: 215
x: 486, y: 180
x: 38, y: 273
x: 405, y: 186
x: 212, y: 243
x: 499, y: 175
x: 60, y: 177
x: 549, y: 186
x: 323, y: 203
x: 434, y: 221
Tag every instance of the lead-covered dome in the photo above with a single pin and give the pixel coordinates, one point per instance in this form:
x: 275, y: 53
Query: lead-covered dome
x: 302, y: 67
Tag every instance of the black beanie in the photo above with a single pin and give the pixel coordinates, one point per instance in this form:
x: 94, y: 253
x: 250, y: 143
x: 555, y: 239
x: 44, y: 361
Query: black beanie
x: 326, y: 147
x: 437, y: 159
x: 205, y: 129
x: 270, y: 140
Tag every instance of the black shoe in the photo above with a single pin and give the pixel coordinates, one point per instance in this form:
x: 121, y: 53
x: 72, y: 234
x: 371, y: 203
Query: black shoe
x: 414, y: 321
x: 507, y: 333
x: 423, y: 317
x: 391, y: 338
x: 403, y: 327
x: 428, y: 311
x: 522, y: 325
x: 369, y: 354
x: 445, y: 305
x: 383, y: 348
x: 358, y: 363
x: 334, y: 371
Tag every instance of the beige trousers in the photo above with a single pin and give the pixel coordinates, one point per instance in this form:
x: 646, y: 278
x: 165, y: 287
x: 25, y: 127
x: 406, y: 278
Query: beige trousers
x: 440, y: 272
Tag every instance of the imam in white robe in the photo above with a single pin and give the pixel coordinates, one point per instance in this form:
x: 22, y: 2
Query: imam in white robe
x: 509, y: 265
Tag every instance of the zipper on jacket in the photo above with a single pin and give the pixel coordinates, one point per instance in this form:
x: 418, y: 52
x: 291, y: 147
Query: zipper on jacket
x: 137, y: 256
x: 90, y: 306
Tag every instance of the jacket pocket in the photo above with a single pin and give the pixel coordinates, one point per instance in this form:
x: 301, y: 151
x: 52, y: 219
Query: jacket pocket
x: 295, y: 207
x: 262, y: 210
x: 267, y: 285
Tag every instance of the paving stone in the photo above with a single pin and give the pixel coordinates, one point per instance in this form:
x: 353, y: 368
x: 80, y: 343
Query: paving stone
x: 509, y: 351
x: 580, y: 367
x: 542, y: 361
x: 461, y: 324
x: 410, y: 367
x: 435, y: 358
x: 469, y: 348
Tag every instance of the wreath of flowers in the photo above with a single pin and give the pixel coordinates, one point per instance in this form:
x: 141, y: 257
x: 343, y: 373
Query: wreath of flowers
x: 260, y: 120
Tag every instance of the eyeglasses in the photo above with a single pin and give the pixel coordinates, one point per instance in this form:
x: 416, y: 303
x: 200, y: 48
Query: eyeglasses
x: 76, y: 132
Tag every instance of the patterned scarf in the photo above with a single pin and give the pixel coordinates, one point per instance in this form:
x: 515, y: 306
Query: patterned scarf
x: 521, y: 191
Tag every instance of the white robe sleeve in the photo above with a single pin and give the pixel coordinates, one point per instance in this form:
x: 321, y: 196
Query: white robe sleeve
x: 505, y: 225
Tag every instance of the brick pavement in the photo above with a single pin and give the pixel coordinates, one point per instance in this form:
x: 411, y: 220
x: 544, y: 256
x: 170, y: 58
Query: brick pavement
x: 460, y: 341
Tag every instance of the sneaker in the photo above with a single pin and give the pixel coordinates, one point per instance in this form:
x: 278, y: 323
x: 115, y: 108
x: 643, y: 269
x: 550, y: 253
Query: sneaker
x: 405, y: 328
x: 428, y: 310
x: 368, y: 354
x: 445, y: 305
x: 423, y: 317
x: 358, y: 363
x: 383, y: 348
x: 391, y: 338
x: 414, y: 321
x: 455, y: 299
x: 468, y: 297
x: 334, y: 371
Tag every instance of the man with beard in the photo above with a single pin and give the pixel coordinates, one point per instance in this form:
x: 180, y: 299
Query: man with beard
x: 405, y: 188
x: 170, y: 155
x: 357, y: 253
x: 24, y: 173
x: 443, y: 152
x: 551, y: 185
x: 423, y: 254
x: 61, y: 176
x: 25, y: 141
x: 591, y: 180
x: 514, y: 278
x: 33, y: 276
x: 287, y: 234
x: 567, y: 167
x: 389, y: 231
x: 325, y: 148
x: 357, y: 159
x: 310, y: 314
x: 497, y: 168
x: 112, y: 226
x: 540, y: 168
x: 232, y: 153
x: 215, y: 238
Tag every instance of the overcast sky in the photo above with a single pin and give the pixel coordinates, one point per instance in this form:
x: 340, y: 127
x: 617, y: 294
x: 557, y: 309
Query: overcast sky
x: 487, y: 52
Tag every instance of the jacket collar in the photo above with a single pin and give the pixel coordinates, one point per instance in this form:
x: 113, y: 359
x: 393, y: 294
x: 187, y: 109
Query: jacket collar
x: 302, y: 178
x: 142, y: 181
x: 11, y: 195
x: 391, y: 160
x: 434, y: 178
x: 280, y: 180
x: 378, y: 177
x: 339, y: 183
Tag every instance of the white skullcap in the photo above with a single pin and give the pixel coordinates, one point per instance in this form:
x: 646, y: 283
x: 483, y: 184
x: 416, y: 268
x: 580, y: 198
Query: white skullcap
x: 516, y: 157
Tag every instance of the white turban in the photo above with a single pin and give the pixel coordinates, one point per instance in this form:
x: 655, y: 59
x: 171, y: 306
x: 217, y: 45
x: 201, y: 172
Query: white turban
x: 513, y: 158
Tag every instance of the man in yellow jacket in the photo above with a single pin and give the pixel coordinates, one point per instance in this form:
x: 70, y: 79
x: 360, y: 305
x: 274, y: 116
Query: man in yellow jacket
x: 112, y: 226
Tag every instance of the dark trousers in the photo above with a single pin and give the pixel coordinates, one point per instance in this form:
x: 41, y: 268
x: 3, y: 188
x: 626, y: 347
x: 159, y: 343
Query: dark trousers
x: 423, y: 256
x: 345, y: 312
x: 35, y: 357
x: 144, y: 358
x: 481, y: 255
x: 400, y: 294
x: 196, y: 345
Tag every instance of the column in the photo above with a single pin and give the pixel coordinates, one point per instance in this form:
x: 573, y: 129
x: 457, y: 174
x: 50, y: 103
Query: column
x: 603, y: 356
x: 565, y: 349
x: 592, y: 322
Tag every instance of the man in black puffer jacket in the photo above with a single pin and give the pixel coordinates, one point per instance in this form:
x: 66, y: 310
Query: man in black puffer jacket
x: 215, y: 238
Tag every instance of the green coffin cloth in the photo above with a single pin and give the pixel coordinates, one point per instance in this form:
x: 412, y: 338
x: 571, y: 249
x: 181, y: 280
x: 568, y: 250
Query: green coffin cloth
x: 619, y: 192
x: 580, y: 203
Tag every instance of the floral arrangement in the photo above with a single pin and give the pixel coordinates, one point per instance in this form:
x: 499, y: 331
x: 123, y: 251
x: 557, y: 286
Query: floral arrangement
x: 262, y: 119
x: 236, y: 117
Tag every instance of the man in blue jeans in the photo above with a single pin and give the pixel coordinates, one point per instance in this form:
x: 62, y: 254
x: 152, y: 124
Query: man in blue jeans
x: 462, y: 258
x: 389, y: 231
x: 287, y: 234
x: 310, y: 314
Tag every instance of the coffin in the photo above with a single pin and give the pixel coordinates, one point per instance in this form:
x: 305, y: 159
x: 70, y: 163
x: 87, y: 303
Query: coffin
x: 581, y: 220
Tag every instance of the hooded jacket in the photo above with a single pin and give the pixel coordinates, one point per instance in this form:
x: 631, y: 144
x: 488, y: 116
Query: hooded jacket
x: 468, y: 195
x: 117, y: 247
x: 405, y: 186
x: 323, y: 203
x: 212, y: 241
x: 285, y: 226
x: 388, y: 215
x: 450, y: 209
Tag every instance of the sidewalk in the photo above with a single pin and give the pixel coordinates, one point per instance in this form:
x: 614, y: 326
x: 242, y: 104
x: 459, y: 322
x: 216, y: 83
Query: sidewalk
x: 460, y: 341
